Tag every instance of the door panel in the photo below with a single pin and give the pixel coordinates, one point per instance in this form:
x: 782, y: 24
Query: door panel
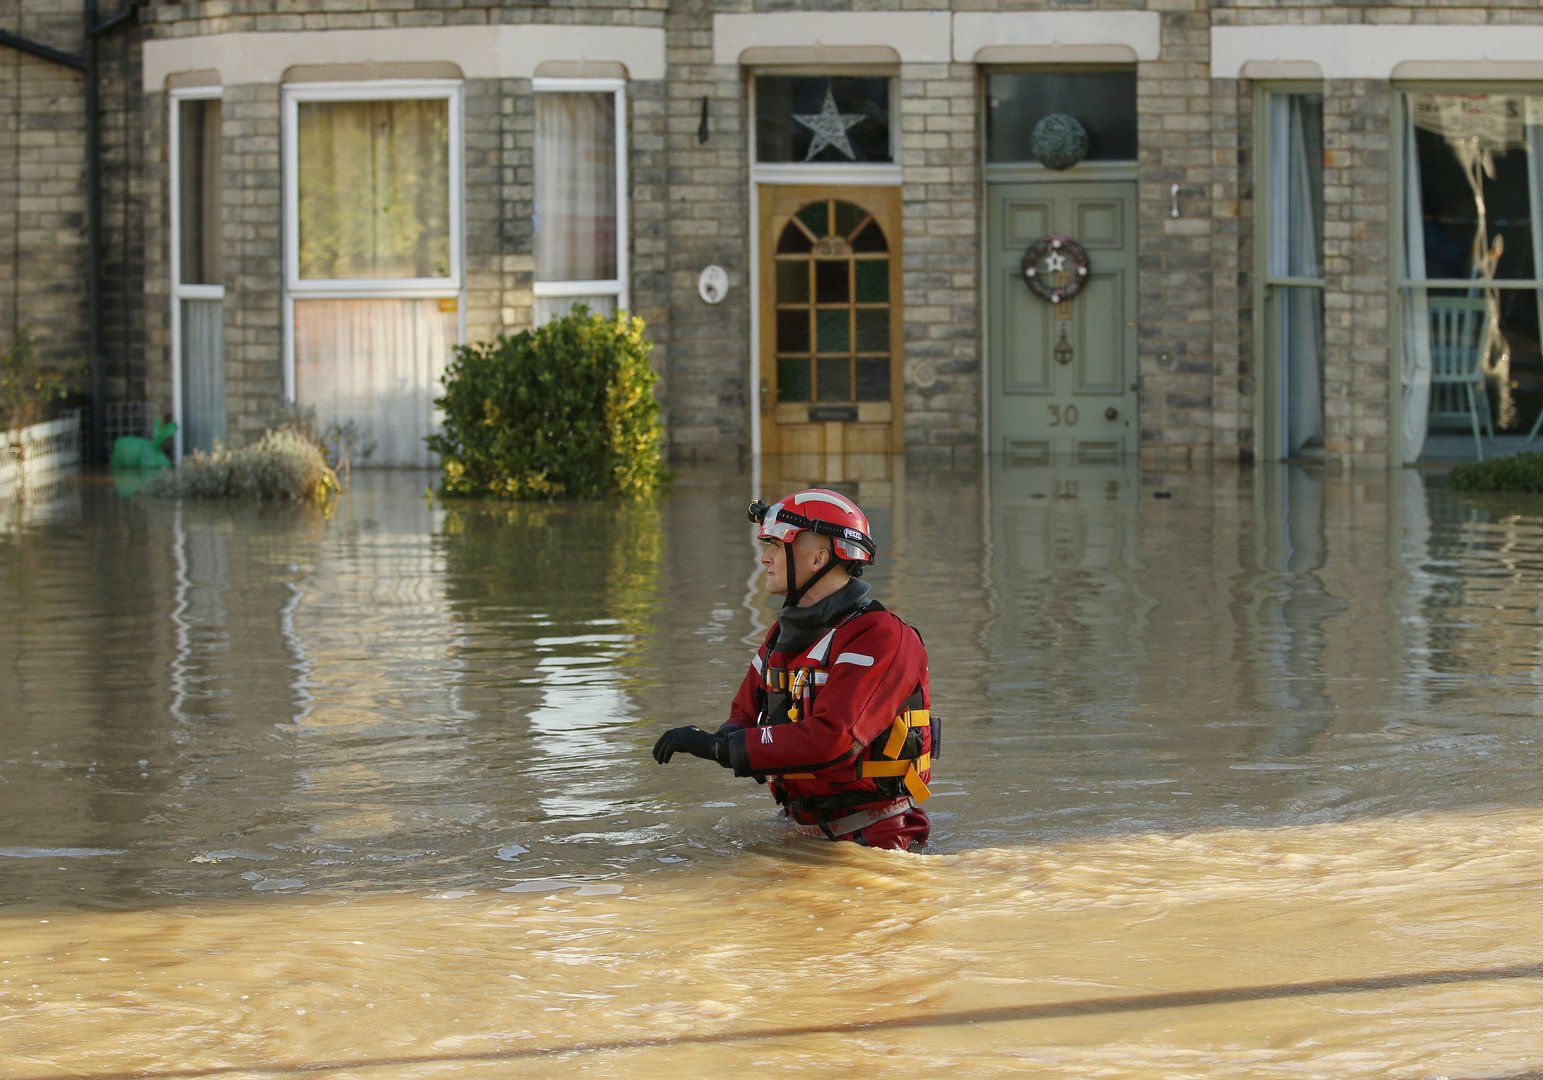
x: 1063, y: 376
x: 831, y: 364
x: 1026, y: 328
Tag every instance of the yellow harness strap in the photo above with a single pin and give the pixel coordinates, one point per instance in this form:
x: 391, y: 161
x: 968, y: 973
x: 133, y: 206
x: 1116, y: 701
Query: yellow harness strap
x: 911, y: 718
x: 908, y: 771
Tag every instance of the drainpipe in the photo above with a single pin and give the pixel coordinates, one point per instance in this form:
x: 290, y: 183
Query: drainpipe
x: 127, y: 10
x: 87, y: 65
x: 94, y: 240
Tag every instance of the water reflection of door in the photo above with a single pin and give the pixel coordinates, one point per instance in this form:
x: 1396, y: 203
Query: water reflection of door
x: 1062, y: 572
x: 831, y: 359
x: 1063, y: 376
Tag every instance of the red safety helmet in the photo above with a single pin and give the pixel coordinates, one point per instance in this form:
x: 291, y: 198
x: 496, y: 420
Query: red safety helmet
x: 823, y: 511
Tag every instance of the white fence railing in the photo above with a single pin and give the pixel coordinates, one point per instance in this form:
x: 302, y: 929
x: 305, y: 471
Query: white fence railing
x: 49, y: 449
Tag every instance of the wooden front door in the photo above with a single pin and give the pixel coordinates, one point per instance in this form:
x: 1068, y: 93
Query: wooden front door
x: 831, y: 358
x: 1063, y: 376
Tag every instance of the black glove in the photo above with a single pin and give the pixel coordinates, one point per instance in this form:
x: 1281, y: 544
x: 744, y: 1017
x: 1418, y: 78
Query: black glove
x: 691, y: 740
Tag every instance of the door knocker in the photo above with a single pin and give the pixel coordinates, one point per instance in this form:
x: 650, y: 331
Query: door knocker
x: 1063, y: 349
x: 1055, y: 268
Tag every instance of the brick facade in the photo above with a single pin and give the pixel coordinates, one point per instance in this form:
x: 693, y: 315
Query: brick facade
x: 1200, y: 384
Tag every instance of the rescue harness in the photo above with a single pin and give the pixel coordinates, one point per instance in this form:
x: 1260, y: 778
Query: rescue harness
x: 895, y: 760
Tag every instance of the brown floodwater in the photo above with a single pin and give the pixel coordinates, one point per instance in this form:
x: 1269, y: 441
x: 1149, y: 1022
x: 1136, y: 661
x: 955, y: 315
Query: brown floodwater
x: 1240, y: 777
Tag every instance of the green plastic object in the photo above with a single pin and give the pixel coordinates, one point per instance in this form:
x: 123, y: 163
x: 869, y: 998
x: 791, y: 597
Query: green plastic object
x: 132, y: 452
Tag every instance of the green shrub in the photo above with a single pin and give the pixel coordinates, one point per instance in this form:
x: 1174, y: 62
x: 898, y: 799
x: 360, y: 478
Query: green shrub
x: 1523, y: 472
x: 284, y: 464
x: 563, y: 411
x: 27, y: 387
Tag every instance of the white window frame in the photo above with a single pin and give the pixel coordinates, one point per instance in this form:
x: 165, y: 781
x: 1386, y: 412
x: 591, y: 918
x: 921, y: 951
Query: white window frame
x: 1274, y: 421
x: 451, y: 286
x: 179, y: 291
x: 617, y: 286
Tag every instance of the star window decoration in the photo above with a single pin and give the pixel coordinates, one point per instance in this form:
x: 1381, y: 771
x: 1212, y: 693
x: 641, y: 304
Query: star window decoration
x: 830, y: 126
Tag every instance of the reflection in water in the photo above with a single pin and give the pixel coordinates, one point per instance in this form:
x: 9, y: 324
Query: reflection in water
x: 1239, y: 778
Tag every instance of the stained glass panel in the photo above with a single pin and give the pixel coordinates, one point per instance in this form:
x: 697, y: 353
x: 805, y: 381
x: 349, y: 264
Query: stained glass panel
x: 873, y: 331
x: 873, y: 281
x: 831, y: 282
x: 835, y: 379
x: 834, y: 332
x: 873, y: 379
x: 793, y: 331
x: 792, y: 282
x: 792, y: 380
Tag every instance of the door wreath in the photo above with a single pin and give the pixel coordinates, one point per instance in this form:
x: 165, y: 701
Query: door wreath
x: 1055, y: 268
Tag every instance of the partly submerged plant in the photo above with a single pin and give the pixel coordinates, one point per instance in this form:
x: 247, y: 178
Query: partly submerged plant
x: 27, y: 389
x: 341, y: 441
x: 1521, y: 473
x: 284, y: 465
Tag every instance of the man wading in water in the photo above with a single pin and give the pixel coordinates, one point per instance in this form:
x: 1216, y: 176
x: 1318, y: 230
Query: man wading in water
x: 834, y: 713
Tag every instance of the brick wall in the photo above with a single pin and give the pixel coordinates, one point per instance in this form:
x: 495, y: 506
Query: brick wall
x: 940, y: 151
x: 1357, y: 270
x: 42, y: 183
x: 706, y: 389
x: 252, y: 236
x: 1179, y: 362
x: 155, y: 210
x: 487, y: 220
x: 124, y: 188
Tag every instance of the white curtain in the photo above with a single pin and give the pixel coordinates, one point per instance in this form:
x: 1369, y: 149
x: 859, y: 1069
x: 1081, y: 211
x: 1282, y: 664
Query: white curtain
x: 1416, y: 378
x: 374, y: 180
x: 552, y: 307
x: 203, y: 373
x: 1534, y: 113
x: 1296, y: 226
x: 575, y: 208
x: 378, y: 364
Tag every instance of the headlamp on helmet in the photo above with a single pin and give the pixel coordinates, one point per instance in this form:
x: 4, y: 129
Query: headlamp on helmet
x: 823, y: 512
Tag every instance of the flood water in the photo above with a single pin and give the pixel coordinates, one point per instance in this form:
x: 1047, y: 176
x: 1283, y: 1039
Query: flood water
x: 1240, y: 777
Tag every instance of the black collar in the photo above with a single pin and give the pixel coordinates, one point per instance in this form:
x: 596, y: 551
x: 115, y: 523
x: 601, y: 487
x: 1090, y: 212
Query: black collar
x: 800, y: 627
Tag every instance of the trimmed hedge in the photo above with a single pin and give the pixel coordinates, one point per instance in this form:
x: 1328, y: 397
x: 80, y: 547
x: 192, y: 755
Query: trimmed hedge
x: 1523, y: 472
x: 563, y: 411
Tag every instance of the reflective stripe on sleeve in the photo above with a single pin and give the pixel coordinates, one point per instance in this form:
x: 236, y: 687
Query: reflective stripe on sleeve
x: 860, y: 659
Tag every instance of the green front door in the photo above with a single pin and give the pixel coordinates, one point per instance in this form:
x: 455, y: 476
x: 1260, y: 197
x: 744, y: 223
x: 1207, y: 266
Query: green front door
x: 1063, y: 374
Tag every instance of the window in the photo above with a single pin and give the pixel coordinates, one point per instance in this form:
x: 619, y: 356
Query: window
x: 1293, y: 245
x: 1103, y: 101
x: 839, y: 119
x: 373, y: 223
x: 197, y: 270
x: 579, y: 224
x: 1473, y: 225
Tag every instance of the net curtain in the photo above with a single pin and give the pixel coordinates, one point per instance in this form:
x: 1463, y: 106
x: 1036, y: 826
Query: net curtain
x: 1417, y: 359
x: 1296, y: 229
x: 374, y: 210
x: 575, y: 197
x: 377, y: 364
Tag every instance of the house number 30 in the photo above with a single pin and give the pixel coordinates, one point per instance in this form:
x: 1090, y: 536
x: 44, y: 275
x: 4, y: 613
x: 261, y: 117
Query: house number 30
x: 1063, y: 414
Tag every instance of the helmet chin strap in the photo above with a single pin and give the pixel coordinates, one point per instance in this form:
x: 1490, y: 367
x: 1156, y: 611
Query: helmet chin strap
x: 796, y: 591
